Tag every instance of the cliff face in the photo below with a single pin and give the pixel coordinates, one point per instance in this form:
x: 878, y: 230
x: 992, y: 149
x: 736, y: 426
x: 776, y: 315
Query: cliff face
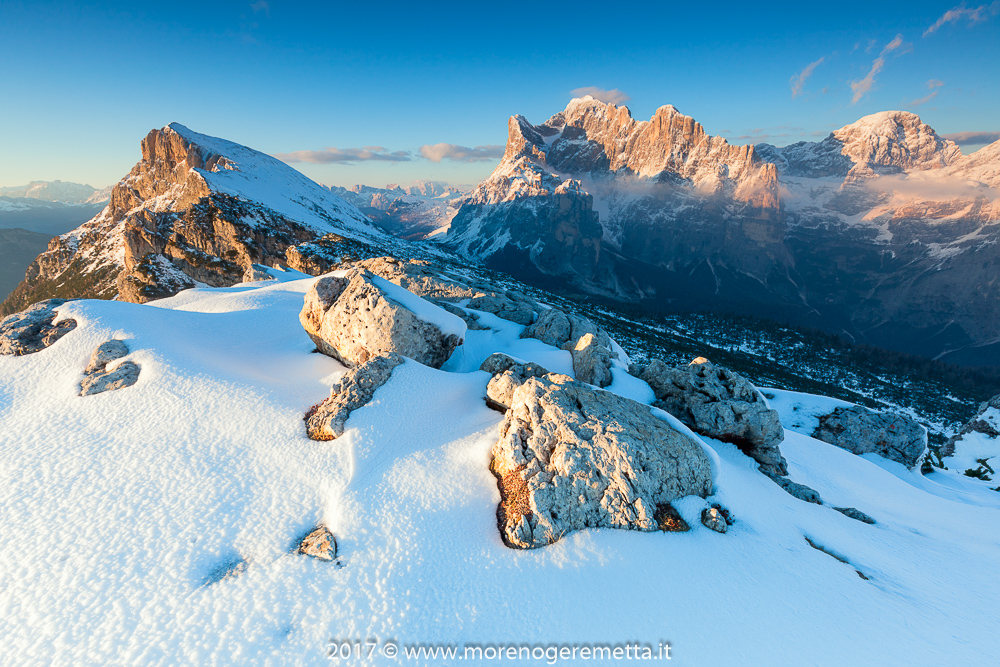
x: 592, y: 176
x: 195, y: 209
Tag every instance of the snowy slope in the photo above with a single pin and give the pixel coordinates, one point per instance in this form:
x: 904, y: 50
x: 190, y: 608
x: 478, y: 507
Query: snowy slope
x: 257, y: 177
x: 123, y: 512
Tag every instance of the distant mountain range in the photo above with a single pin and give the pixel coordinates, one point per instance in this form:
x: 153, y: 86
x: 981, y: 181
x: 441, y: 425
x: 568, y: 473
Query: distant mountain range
x: 32, y: 214
x: 57, y: 191
x: 418, y: 211
x: 883, y: 232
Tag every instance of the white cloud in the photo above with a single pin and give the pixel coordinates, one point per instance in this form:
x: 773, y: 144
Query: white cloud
x: 345, y: 155
x: 974, y: 15
x: 799, y: 80
x: 973, y: 138
x: 934, y: 83
x: 439, y: 152
x: 613, y: 96
x: 862, y: 87
x: 924, y: 100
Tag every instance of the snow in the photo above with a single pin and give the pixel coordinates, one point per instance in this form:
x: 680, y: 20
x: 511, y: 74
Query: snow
x: 257, y: 177
x: 123, y: 511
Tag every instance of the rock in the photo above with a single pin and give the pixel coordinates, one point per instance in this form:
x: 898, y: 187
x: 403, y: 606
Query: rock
x: 257, y: 272
x: 571, y: 457
x: 320, y: 543
x: 97, y: 378
x: 863, y: 431
x: 352, y: 319
x: 800, y: 491
x: 669, y: 520
x: 419, y: 277
x: 591, y: 361
x: 986, y: 422
x: 712, y: 518
x: 589, y: 344
x: 105, y: 354
x: 721, y: 404
x: 508, y: 374
x: 327, y: 420
x: 471, y: 319
x: 506, y: 306
x: 33, y: 329
x: 552, y: 328
x: 857, y: 515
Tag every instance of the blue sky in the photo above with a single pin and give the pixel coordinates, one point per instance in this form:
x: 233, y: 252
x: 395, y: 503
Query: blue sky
x: 366, y: 86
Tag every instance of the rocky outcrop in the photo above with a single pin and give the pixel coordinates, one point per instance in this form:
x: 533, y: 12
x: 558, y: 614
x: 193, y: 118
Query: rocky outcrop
x: 855, y: 514
x: 354, y: 318
x: 986, y: 422
x: 572, y: 457
x: 320, y: 543
x: 862, y: 431
x: 800, y: 491
x: 508, y: 374
x: 589, y: 344
x: 327, y: 420
x: 99, y: 378
x: 33, y: 329
x: 721, y: 404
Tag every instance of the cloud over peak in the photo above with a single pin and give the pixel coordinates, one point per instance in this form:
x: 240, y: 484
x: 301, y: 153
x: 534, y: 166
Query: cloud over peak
x: 862, y: 87
x: 345, y: 155
x: 455, y: 153
x: 613, y: 96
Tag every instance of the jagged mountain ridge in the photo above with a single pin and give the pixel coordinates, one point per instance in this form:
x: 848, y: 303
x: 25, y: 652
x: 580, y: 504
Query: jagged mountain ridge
x: 591, y: 170
x: 883, y: 231
x: 196, y: 209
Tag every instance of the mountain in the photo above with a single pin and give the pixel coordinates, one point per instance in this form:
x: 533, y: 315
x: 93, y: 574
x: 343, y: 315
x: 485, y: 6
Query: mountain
x: 415, y: 212
x: 57, y: 191
x: 883, y: 232
x: 196, y: 210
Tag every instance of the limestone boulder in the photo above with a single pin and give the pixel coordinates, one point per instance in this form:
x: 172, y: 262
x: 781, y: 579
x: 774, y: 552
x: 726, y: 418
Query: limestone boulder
x: 102, y: 375
x: 591, y: 360
x: 721, y: 404
x: 320, y: 543
x: 328, y: 420
x: 508, y: 374
x: 862, y: 431
x: 422, y: 279
x: 572, y: 457
x: 354, y: 318
x: 713, y: 519
x: 33, y: 329
x: 589, y: 344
